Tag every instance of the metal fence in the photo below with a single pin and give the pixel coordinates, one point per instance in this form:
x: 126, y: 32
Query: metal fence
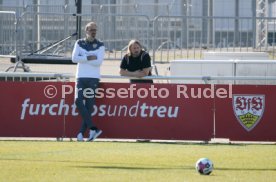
x: 8, y: 24
x: 165, y: 37
x: 38, y: 30
x: 187, y: 37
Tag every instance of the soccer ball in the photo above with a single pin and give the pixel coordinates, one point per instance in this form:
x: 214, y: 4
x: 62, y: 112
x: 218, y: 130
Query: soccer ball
x: 204, y: 166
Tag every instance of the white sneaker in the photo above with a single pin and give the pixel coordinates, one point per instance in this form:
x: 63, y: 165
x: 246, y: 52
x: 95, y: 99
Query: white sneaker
x: 80, y: 137
x: 94, y: 134
x: 91, y: 135
x: 98, y: 132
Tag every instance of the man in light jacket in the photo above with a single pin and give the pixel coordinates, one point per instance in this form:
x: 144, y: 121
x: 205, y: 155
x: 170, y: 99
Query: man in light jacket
x: 89, y: 54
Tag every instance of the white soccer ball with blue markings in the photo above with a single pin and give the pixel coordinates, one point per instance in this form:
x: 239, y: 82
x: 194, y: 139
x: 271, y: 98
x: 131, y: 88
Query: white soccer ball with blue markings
x: 204, y: 166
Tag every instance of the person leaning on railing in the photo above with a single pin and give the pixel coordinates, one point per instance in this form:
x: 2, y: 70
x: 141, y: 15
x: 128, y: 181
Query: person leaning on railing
x: 136, y: 63
x: 89, y: 54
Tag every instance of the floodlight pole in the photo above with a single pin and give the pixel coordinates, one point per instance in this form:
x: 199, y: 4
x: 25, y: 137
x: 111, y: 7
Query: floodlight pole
x: 78, y: 25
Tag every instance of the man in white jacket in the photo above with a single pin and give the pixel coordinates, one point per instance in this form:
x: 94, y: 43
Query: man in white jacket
x: 89, y: 54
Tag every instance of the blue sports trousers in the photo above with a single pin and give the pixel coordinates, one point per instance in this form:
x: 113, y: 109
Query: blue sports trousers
x: 85, y: 103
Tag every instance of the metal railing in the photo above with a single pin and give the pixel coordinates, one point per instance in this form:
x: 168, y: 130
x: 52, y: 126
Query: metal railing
x: 21, y: 76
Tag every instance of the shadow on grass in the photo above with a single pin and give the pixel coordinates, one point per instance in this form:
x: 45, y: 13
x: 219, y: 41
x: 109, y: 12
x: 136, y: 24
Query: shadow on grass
x: 123, y: 166
x: 244, y: 169
x: 135, y: 168
x: 174, y: 168
x: 104, y: 165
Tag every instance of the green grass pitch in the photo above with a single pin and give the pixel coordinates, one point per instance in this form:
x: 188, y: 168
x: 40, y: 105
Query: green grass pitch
x: 133, y: 161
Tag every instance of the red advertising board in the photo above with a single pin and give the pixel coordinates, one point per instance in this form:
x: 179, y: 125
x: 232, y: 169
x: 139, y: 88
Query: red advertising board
x: 159, y: 111
x: 249, y: 115
x: 15, y: 122
x: 142, y: 111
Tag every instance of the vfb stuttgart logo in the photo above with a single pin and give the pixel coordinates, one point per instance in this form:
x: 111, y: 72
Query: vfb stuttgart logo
x: 249, y: 109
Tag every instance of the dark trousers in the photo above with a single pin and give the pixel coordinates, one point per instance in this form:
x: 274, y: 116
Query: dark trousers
x: 85, y: 103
